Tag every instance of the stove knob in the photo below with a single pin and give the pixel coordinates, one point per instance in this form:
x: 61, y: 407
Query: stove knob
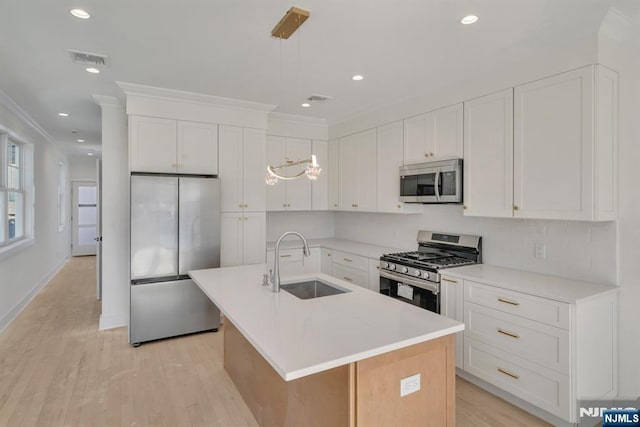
x: 385, y: 265
x: 425, y: 275
x: 392, y: 266
x: 404, y: 269
x: 417, y: 273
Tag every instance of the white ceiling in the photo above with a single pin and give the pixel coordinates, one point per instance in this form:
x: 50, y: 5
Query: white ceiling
x: 224, y: 47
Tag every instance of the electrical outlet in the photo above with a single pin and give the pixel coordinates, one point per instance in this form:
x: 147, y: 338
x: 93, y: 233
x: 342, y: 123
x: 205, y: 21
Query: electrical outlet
x: 409, y: 385
x: 539, y: 250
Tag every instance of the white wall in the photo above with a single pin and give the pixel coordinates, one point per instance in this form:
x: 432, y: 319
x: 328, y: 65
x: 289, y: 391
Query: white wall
x: 24, y: 273
x: 82, y: 168
x: 312, y: 225
x: 618, y: 48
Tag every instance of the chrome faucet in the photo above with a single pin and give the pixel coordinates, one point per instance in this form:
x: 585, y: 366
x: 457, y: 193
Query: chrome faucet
x: 275, y: 273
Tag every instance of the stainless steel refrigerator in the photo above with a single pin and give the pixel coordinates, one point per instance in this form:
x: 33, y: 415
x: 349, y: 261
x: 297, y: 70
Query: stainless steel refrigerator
x: 175, y: 227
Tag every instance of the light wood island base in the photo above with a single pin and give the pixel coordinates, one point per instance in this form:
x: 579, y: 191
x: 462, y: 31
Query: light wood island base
x: 363, y: 393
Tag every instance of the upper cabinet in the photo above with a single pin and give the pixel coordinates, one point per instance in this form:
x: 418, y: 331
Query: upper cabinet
x: 294, y: 194
x: 242, y: 160
x: 357, y: 172
x: 488, y: 155
x: 333, y: 174
x: 558, y: 161
x: 320, y: 186
x: 160, y: 145
x: 565, y: 146
x: 435, y: 135
x: 389, y: 160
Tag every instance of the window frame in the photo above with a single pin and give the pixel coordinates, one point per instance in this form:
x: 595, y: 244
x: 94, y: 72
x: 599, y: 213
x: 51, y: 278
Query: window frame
x: 62, y: 195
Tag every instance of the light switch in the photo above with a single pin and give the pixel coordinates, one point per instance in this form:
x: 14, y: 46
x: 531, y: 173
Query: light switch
x: 409, y: 385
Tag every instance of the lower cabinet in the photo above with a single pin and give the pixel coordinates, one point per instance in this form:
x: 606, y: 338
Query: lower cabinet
x: 451, y: 306
x: 326, y: 261
x: 242, y: 238
x: 293, y: 261
x: 351, y: 275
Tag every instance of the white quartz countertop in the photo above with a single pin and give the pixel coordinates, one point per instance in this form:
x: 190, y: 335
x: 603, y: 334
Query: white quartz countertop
x: 302, y: 337
x: 552, y: 287
x: 349, y: 246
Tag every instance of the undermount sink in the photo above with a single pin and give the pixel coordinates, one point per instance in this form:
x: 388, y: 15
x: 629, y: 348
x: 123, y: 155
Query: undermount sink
x: 312, y: 289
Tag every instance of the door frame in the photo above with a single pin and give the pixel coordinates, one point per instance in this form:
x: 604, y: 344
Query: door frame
x: 74, y: 217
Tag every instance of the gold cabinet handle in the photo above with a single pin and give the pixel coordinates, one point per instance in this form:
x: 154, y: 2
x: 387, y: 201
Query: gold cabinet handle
x: 288, y: 205
x: 246, y: 218
x: 285, y: 256
x: 509, y: 334
x: 515, y: 207
x: 284, y: 205
x: 426, y: 154
x: 174, y: 165
x: 356, y: 205
x: 510, y: 374
x: 335, y: 205
x: 328, y: 254
x: 347, y: 259
x: 399, y: 206
x: 377, y: 267
x: 449, y: 280
x: 464, y: 207
x: 508, y: 301
x: 347, y: 279
x: 240, y: 206
x: 246, y: 206
x: 239, y: 218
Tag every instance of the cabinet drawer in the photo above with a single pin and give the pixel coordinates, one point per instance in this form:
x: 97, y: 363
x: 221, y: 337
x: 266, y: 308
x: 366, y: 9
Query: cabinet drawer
x: 533, y: 341
x: 537, y: 385
x: 351, y: 275
x: 350, y: 260
x: 543, y: 310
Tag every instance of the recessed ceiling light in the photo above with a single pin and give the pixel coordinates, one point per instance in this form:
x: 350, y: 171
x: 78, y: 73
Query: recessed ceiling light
x: 63, y: 114
x: 469, y: 19
x: 79, y: 13
x: 80, y: 140
x: 89, y: 154
x: 306, y: 105
x: 357, y: 77
x: 93, y: 70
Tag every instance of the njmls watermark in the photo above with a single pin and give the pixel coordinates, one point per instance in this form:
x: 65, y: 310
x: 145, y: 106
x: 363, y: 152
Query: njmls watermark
x: 609, y: 413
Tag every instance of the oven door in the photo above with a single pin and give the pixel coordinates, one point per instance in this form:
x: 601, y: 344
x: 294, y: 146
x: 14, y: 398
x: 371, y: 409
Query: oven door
x: 420, y: 293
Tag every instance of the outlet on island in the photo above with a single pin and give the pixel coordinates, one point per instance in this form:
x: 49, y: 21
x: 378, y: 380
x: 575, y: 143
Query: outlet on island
x: 409, y: 385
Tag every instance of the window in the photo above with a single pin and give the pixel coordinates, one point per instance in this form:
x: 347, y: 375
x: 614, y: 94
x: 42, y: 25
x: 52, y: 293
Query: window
x: 14, y: 200
x: 62, y: 183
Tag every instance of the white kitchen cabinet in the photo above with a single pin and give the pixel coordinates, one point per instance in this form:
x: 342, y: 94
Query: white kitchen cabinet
x: 488, y: 155
x: 435, y: 135
x: 172, y: 146
x: 294, y: 194
x: 389, y: 160
x: 565, y: 146
x: 320, y: 186
x: 242, y: 238
x: 242, y: 160
x: 374, y: 275
x: 326, y: 261
x: 357, y: 172
x: 334, y: 174
x: 451, y: 306
x: 292, y: 261
x: 351, y: 275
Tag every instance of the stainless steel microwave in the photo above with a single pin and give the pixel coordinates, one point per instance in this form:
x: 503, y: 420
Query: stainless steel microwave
x: 433, y: 182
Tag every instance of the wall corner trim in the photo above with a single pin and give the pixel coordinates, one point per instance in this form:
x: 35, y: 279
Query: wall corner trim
x: 114, y: 320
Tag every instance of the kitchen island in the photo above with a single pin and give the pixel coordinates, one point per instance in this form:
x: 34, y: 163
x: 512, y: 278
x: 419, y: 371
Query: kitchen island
x: 336, y: 360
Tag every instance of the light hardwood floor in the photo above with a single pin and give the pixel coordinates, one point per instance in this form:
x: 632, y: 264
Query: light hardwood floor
x: 57, y: 369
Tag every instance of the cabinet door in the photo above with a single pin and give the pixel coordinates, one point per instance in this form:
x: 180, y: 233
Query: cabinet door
x: 447, y: 133
x: 451, y: 306
x: 366, y: 178
x: 351, y: 275
x: 152, y: 143
x: 298, y: 190
x: 348, y: 172
x: 197, y: 148
x: 326, y: 261
x: 320, y: 187
x: 230, y: 171
x: 254, y: 237
x: 553, y: 137
x: 231, y: 239
x: 488, y: 155
x: 254, y: 170
x: 276, y: 195
x: 374, y: 275
x: 333, y: 174
x: 418, y: 138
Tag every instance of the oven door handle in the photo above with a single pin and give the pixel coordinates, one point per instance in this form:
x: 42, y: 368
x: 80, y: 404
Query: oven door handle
x: 436, y: 184
x: 427, y: 286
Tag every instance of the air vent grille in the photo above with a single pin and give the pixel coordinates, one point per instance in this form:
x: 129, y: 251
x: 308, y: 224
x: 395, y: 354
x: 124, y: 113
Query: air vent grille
x: 88, y: 58
x: 319, y: 98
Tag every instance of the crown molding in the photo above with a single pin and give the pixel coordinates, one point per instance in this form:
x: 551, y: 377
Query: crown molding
x: 133, y: 89
x: 107, y: 101
x: 294, y: 118
x: 8, y: 102
x: 617, y: 25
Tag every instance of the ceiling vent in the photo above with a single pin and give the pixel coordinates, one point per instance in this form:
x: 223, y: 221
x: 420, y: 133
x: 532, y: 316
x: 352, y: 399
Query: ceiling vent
x: 88, y: 58
x: 319, y: 98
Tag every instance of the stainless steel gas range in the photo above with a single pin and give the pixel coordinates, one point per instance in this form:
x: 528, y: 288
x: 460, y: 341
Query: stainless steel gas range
x: 414, y: 277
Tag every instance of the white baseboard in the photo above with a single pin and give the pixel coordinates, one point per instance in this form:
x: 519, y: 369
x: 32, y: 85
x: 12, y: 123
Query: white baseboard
x: 516, y: 401
x: 115, y: 320
x: 20, y: 305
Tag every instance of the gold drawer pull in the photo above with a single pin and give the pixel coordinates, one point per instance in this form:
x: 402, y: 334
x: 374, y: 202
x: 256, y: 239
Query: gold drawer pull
x: 449, y: 280
x: 347, y: 279
x: 509, y: 334
x: 514, y: 376
x: 347, y: 259
x: 285, y: 256
x: 508, y: 301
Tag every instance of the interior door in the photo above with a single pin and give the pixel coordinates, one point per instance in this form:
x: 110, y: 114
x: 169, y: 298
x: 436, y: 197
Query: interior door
x: 99, y: 229
x: 84, y: 219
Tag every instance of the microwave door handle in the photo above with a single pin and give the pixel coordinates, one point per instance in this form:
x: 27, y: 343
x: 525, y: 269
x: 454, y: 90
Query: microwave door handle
x: 436, y: 184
